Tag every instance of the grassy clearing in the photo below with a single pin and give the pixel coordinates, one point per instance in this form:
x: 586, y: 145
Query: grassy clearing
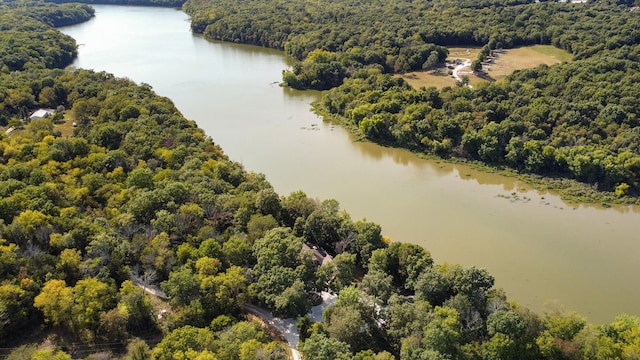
x: 553, y: 52
x: 524, y: 58
x: 66, y: 128
x: 505, y: 64
x: 463, y: 52
x: 419, y: 79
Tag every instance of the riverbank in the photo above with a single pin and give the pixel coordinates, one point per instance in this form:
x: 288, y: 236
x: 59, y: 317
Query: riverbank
x: 569, y: 190
x: 533, y: 248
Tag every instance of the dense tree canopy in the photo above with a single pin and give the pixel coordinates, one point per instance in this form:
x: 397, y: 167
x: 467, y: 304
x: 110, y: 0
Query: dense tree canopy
x: 168, y: 3
x: 51, y: 14
x: 574, y: 120
x: 137, y: 195
x: 26, y: 44
x: 574, y: 129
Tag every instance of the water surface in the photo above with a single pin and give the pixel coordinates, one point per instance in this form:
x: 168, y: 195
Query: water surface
x: 539, y: 248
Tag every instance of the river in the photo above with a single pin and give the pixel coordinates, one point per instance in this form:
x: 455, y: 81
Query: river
x: 540, y: 249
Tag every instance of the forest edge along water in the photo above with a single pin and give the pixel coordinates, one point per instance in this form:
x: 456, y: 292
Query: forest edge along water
x: 539, y: 248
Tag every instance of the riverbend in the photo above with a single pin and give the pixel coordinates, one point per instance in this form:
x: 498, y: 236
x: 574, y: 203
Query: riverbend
x: 538, y: 247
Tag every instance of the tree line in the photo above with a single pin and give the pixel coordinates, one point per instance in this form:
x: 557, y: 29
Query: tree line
x: 587, y: 132
x: 26, y: 43
x: 51, y: 14
x: 164, y: 3
x: 570, y: 121
x: 139, y: 195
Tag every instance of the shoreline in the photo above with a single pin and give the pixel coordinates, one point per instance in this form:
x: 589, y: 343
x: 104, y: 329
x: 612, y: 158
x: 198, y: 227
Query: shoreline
x: 569, y: 190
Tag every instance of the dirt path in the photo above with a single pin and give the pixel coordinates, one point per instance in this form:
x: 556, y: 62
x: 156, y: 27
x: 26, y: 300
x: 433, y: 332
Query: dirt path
x: 457, y: 69
x: 287, y: 327
x: 151, y: 289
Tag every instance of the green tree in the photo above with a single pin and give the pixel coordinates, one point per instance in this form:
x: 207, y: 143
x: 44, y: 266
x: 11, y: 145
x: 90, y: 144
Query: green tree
x: 106, y: 135
x: 181, y: 340
x: 141, y: 178
x: 15, y: 305
x: 369, y: 238
x: 137, y: 349
x: 303, y: 326
x: 255, y: 350
x: 321, y: 227
x: 237, y: 251
x: 135, y: 305
x: 432, y: 61
x: 377, y: 284
x: 370, y: 355
x: 182, y: 286
x: 268, y: 203
x: 56, y: 301
x: 69, y: 265
x: 296, y: 205
x: 278, y: 247
x: 353, y: 320
x: 293, y: 301
x: 158, y: 255
x: 112, y: 326
x: 434, y: 286
x: 338, y: 273
x: 271, y: 284
x: 224, y: 293
x: 442, y: 333
x: 321, y: 347
x: 91, y: 298
x: 557, y: 341
x: 230, y: 341
x: 476, y: 65
x: 258, y: 225
x: 50, y: 354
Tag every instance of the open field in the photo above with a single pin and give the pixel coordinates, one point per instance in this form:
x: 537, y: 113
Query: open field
x: 506, y: 63
x: 526, y: 57
x: 66, y: 128
x: 418, y: 79
x: 463, y: 52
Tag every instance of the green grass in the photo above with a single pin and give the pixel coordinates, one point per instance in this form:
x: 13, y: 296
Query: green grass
x: 419, y: 79
x: 463, y: 52
x: 553, y: 51
x: 66, y: 128
x: 525, y: 58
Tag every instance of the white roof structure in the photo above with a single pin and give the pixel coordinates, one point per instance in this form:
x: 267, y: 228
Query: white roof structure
x: 41, y: 113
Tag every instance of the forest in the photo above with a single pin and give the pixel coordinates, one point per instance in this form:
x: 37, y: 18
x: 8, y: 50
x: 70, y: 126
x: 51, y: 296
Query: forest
x: 576, y: 120
x: 164, y: 3
x: 50, y: 14
x: 136, y: 195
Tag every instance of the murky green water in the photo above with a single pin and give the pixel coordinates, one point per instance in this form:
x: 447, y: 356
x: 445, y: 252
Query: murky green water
x: 538, y: 248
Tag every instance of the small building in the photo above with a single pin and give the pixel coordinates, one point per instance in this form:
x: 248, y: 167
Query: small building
x: 320, y: 257
x: 41, y: 114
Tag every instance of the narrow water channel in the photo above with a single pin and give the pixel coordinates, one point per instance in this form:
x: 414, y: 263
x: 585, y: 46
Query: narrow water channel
x: 539, y: 248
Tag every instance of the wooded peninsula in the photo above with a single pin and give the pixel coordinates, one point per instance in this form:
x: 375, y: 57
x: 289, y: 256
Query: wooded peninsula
x: 576, y: 120
x: 108, y: 190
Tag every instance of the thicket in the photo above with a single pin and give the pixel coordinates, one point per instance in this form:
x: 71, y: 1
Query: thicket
x: 574, y: 120
x: 167, y: 3
x: 545, y: 120
x: 26, y: 43
x: 138, y: 195
x: 51, y: 14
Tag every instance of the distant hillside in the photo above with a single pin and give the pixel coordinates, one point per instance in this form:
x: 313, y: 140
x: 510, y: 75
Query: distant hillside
x: 167, y: 3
